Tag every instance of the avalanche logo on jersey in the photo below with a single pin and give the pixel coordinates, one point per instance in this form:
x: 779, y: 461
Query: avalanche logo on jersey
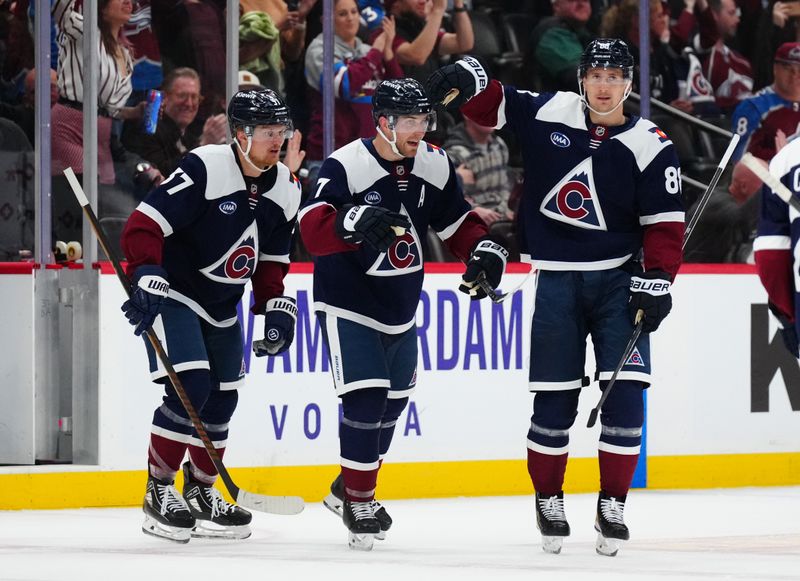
x: 574, y: 199
x: 635, y: 358
x: 238, y: 264
x: 403, y: 257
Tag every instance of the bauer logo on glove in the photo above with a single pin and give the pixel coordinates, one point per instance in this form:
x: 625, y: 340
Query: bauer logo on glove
x: 455, y: 84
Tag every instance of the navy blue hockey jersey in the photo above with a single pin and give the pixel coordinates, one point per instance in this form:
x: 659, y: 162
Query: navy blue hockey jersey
x: 218, y: 227
x: 381, y: 289
x: 590, y: 191
x: 777, y: 246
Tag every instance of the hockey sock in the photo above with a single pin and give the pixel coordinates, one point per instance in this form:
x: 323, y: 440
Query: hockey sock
x: 620, y: 437
x: 359, y: 439
x: 394, y: 407
x: 547, y: 472
x: 172, y: 428
x: 216, y: 415
x: 548, y: 438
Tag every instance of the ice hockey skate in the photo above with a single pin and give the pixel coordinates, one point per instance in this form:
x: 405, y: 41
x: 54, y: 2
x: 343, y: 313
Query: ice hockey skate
x: 551, y: 521
x: 610, y: 526
x: 335, y: 500
x: 215, y: 517
x: 360, y: 520
x: 166, y: 513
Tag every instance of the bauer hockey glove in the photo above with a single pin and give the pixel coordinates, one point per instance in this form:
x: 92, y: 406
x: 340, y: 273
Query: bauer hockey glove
x: 455, y: 84
x: 279, y: 320
x: 487, y: 259
x: 650, y: 294
x: 788, y: 331
x: 148, y: 289
x: 372, y: 224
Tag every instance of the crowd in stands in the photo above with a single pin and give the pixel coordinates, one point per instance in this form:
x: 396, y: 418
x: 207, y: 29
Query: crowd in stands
x: 733, y: 63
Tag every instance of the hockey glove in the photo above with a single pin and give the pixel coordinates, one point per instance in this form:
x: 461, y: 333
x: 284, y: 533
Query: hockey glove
x: 279, y: 320
x: 148, y: 289
x: 488, y: 258
x: 455, y: 84
x: 650, y: 294
x: 375, y: 225
x: 788, y: 331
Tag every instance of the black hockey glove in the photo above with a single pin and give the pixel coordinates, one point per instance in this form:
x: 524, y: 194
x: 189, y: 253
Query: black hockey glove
x: 488, y: 258
x: 279, y: 320
x: 148, y: 289
x: 788, y: 331
x: 455, y: 84
x: 373, y: 224
x: 650, y: 293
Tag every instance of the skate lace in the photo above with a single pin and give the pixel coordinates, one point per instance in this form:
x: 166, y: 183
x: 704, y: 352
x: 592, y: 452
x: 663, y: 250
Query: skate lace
x: 553, y: 508
x: 170, y: 500
x: 363, y: 510
x: 218, y: 504
x: 612, y: 510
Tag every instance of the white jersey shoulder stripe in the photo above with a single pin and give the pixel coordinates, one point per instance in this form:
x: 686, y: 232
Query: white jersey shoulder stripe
x: 286, y: 192
x: 565, y: 108
x: 223, y: 176
x: 772, y: 243
x: 362, y: 168
x: 643, y: 141
x: 785, y: 159
x: 663, y: 217
x: 156, y: 217
x: 431, y: 166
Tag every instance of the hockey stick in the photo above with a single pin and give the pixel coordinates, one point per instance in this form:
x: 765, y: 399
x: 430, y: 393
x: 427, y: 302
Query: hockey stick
x: 259, y: 502
x: 771, y: 181
x: 637, y: 331
x: 496, y: 295
x: 701, y: 205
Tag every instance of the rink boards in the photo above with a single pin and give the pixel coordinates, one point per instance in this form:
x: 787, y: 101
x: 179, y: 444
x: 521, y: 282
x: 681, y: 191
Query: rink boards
x: 722, y: 411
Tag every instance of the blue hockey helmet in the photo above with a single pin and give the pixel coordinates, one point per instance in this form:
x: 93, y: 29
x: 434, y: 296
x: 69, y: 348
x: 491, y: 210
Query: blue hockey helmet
x: 248, y: 109
x: 396, y: 97
x: 606, y: 53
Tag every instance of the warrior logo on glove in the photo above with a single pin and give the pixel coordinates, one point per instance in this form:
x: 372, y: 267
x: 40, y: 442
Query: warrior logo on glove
x: 280, y: 317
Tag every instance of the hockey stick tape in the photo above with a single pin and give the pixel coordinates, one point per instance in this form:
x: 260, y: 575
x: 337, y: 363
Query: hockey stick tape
x: 83, y: 201
x: 770, y: 180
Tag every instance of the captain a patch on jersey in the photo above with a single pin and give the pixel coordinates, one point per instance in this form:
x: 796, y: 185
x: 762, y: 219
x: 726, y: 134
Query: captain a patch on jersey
x: 574, y: 200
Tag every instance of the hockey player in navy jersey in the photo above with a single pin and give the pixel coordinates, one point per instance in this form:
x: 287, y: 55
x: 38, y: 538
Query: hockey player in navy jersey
x: 366, y: 225
x: 776, y: 245
x: 224, y: 216
x: 601, y: 220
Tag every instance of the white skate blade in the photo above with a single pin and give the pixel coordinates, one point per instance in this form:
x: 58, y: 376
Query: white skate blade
x: 333, y: 504
x: 205, y: 529
x: 606, y: 546
x: 361, y: 542
x: 552, y: 544
x: 156, y: 529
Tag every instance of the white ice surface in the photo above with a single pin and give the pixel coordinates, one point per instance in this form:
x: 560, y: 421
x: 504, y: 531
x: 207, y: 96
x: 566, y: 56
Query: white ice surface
x: 732, y: 534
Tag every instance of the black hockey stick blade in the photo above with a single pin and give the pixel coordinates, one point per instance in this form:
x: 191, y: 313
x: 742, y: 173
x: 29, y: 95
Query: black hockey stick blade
x: 260, y: 502
x: 626, y: 354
